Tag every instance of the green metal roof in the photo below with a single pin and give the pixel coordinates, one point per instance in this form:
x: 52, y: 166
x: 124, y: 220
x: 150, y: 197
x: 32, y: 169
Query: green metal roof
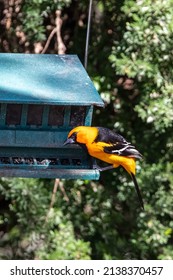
x: 45, y: 79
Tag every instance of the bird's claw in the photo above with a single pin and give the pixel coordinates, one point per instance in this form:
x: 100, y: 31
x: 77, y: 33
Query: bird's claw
x: 97, y: 167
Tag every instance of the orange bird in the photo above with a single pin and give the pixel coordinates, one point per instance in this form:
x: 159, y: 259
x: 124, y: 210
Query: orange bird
x: 108, y: 146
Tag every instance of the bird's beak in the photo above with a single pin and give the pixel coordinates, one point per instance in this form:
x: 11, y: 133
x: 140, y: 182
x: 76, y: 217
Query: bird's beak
x: 69, y: 141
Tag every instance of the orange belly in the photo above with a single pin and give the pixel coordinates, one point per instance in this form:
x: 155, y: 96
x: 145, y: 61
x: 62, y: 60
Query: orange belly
x: 96, y: 150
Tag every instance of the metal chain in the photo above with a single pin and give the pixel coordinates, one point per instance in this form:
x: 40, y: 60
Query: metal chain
x: 88, y: 34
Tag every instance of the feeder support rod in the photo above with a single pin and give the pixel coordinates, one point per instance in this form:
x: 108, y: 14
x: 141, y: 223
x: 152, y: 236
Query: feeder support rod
x: 88, y: 34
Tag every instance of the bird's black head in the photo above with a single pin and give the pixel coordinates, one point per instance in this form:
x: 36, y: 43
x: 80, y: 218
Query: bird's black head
x: 71, y: 139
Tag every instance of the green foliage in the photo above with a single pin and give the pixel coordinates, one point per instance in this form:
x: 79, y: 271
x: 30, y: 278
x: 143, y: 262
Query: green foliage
x: 159, y: 112
x: 145, y: 53
x: 34, y: 231
x: 34, y: 14
x: 61, y: 242
x: 155, y: 224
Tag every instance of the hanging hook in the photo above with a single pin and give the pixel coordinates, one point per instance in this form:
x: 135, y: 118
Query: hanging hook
x: 88, y: 34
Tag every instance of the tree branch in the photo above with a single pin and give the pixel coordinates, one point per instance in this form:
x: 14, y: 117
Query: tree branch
x: 57, y: 31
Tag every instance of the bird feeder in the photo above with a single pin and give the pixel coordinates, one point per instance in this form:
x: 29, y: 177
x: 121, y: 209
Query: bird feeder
x: 42, y: 97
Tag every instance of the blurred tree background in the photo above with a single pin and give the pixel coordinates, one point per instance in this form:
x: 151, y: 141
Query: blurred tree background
x: 130, y: 63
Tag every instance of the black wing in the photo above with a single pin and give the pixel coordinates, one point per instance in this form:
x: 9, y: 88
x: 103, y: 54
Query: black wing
x: 108, y: 136
x: 118, y: 144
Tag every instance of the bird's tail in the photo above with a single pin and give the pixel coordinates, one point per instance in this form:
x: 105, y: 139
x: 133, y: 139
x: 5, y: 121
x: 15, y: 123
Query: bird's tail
x: 137, y: 190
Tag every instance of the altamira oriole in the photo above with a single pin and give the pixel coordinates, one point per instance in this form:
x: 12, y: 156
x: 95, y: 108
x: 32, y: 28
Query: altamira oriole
x: 108, y: 146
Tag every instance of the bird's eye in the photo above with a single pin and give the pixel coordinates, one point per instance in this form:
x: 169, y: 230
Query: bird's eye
x: 74, y: 136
